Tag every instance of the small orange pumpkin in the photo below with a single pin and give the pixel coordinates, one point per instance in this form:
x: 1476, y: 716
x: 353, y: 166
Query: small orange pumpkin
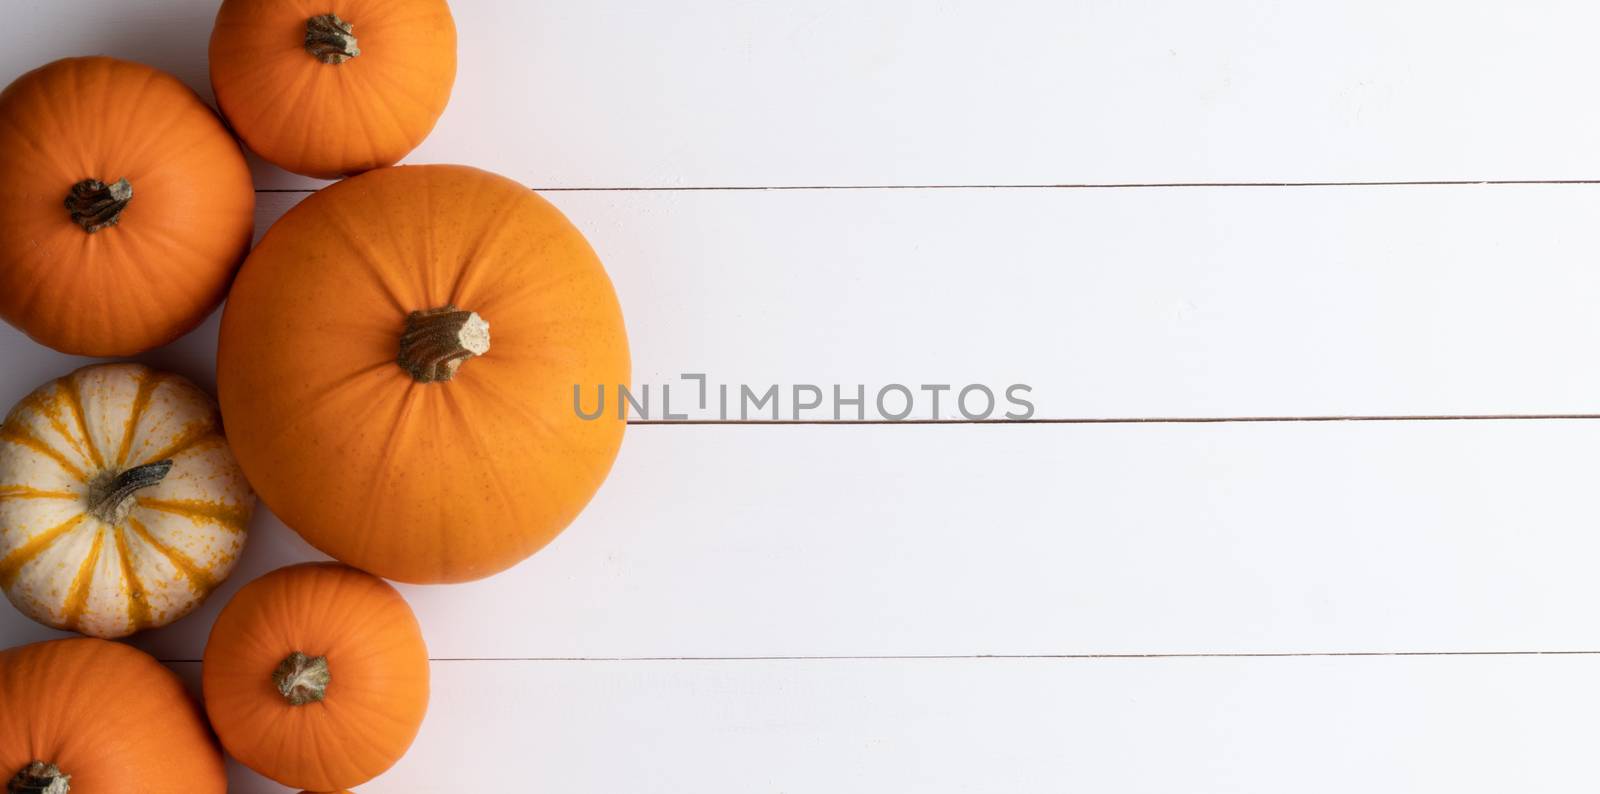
x: 91, y: 715
x: 333, y: 87
x: 316, y: 676
x: 124, y: 207
x: 363, y: 394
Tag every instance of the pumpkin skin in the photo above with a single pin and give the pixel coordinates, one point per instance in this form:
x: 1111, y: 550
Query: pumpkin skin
x: 284, y: 76
x: 79, y: 551
x: 442, y: 481
x: 320, y: 734
x: 108, y: 716
x: 166, y: 262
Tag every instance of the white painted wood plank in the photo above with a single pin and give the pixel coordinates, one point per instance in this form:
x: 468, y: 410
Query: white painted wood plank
x: 1115, y: 303
x: 1038, y: 539
x: 724, y: 92
x: 1473, y: 724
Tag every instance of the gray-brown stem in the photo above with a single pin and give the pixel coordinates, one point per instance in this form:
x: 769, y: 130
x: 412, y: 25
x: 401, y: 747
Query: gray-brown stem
x: 39, y: 777
x: 109, y: 494
x: 302, y: 679
x: 438, y: 341
x: 95, y: 205
x: 329, y: 38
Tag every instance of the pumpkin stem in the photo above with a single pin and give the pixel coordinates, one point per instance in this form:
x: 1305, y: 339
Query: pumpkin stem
x: 39, y: 777
x: 437, y: 341
x: 329, y: 39
x: 302, y: 679
x: 95, y: 205
x: 108, y: 495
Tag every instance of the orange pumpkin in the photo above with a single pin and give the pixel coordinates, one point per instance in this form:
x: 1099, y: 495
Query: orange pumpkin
x: 124, y: 207
x: 316, y: 676
x: 99, y: 716
x: 397, y: 369
x: 333, y: 87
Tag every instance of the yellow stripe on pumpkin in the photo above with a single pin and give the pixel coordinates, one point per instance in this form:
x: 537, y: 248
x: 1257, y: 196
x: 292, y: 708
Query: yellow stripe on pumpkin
x: 75, y: 404
x: 78, y: 596
x: 197, y: 434
x: 25, y: 492
x: 148, y: 381
x: 138, y: 599
x: 22, y: 555
x: 199, y: 580
x: 20, y: 437
x: 226, y: 516
x: 36, y: 404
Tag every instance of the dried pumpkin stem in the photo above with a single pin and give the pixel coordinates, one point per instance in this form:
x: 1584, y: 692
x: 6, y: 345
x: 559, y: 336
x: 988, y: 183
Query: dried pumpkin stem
x: 108, y: 496
x: 95, y: 205
x: 302, y: 679
x: 39, y: 777
x: 329, y: 38
x: 437, y: 341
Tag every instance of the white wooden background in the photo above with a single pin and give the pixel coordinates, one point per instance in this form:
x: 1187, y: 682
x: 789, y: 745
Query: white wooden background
x: 1358, y: 231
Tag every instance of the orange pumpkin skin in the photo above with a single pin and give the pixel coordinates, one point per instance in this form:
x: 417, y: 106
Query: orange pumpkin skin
x: 165, y: 263
x: 327, y: 735
x: 442, y: 481
x: 315, y: 99
x: 108, y: 716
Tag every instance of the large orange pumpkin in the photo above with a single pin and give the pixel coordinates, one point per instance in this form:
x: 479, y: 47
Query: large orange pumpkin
x: 316, y: 676
x: 397, y: 370
x: 96, y: 716
x: 333, y: 87
x: 124, y: 207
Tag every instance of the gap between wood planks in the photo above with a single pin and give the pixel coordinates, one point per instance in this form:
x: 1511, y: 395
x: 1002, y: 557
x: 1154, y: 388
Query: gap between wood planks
x: 1041, y: 186
x: 989, y: 656
x: 1072, y: 186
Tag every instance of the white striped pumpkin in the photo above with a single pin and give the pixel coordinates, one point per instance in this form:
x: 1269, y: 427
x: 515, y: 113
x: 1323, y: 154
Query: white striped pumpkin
x: 99, y: 533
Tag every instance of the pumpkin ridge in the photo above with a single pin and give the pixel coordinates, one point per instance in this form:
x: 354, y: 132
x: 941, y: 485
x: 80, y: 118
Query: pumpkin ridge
x: 23, y: 438
x: 199, y: 580
x: 26, y: 492
x: 173, y: 239
x: 74, y: 399
x: 78, y: 595
x: 369, y: 135
x: 139, y: 98
x: 268, y: 111
x: 396, y: 123
x: 195, y: 436
x: 138, y: 598
x: 148, y: 380
x: 407, y: 405
x: 25, y: 136
x: 334, y: 221
x: 495, y: 227
x: 197, y: 510
x: 22, y: 555
x: 65, y: 434
x: 36, y: 404
x: 163, y: 138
